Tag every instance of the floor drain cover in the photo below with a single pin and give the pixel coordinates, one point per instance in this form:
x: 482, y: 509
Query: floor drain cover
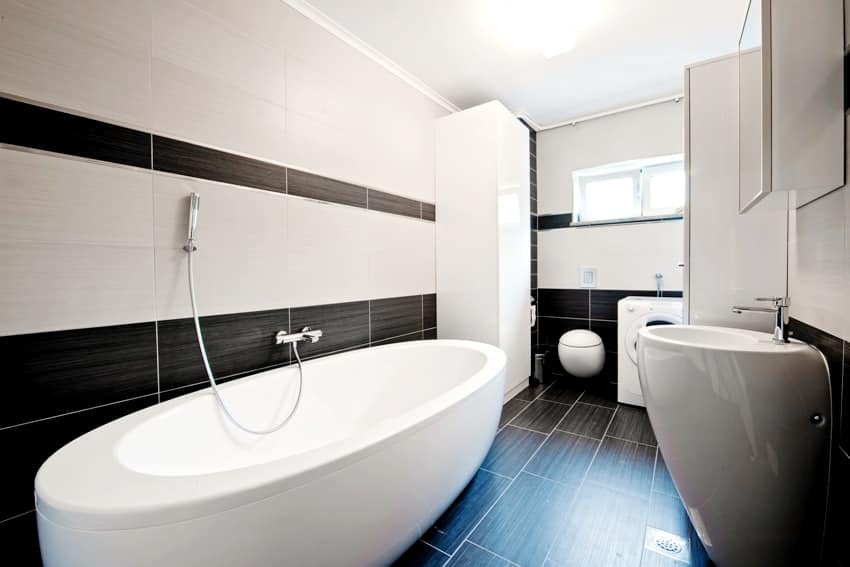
x: 667, y: 544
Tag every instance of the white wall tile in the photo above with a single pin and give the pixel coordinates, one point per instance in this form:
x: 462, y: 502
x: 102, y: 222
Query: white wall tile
x: 213, y: 84
x: 242, y: 240
x: 401, y: 258
x: 819, y: 267
x: 626, y: 256
x: 76, y: 244
x: 92, y: 57
x: 327, y: 253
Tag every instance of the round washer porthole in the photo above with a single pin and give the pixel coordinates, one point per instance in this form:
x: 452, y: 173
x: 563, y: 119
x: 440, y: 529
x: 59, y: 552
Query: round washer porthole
x: 648, y: 320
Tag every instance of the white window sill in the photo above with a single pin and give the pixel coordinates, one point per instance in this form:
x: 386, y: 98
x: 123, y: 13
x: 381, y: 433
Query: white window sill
x: 632, y: 220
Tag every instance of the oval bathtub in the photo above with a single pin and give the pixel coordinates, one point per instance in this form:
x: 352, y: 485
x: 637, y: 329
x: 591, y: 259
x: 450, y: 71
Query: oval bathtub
x: 384, y: 440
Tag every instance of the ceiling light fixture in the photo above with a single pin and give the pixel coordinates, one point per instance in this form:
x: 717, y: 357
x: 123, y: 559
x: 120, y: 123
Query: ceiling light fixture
x: 548, y: 26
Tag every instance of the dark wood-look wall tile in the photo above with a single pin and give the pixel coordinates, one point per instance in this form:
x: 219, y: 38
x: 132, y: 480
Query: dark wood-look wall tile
x: 19, y: 537
x: 345, y: 325
x: 553, y: 221
x: 414, y: 336
x: 429, y: 212
x: 533, y: 145
x: 183, y: 158
x: 837, y: 548
x: 28, y: 446
x: 534, y: 177
x: 564, y: 303
x: 389, y: 203
x: 534, y: 253
x: 429, y: 310
x: 533, y: 193
x: 524, y: 522
x: 312, y: 186
x: 429, y: 334
x: 533, y: 161
x: 41, y: 128
x: 534, y: 237
x: 632, y: 424
x: 236, y: 344
x: 421, y: 554
x: 511, y: 450
x: 395, y: 316
x: 603, y: 302
x: 564, y: 457
x: 551, y: 328
x: 468, y: 508
x: 473, y: 556
x: 533, y: 281
x: 61, y: 371
x: 624, y: 465
x: 533, y: 221
x: 510, y: 410
x: 607, y: 331
x: 587, y: 420
x: 541, y: 416
x: 605, y: 527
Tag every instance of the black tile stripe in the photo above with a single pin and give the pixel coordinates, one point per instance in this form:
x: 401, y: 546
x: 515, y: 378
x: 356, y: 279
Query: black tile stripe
x: 31, y: 126
x: 389, y: 203
x: 548, y: 222
x: 193, y: 160
x: 395, y: 316
x: 314, y: 186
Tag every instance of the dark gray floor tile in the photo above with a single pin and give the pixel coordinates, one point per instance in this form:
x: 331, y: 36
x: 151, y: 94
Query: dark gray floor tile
x: 632, y: 424
x: 584, y: 419
x: 563, y: 457
x: 668, y: 513
x: 453, y: 526
x: 561, y: 392
x: 604, y: 528
x: 525, y: 521
x: 421, y: 555
x: 510, y: 410
x: 541, y: 416
x: 471, y: 555
x: 596, y: 399
x: 511, y: 450
x: 624, y: 466
x: 530, y: 394
x: 662, y: 482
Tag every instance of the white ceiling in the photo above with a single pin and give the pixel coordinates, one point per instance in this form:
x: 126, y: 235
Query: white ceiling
x: 632, y: 52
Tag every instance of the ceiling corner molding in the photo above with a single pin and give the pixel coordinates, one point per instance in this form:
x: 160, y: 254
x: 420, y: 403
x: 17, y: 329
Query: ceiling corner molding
x: 530, y: 121
x: 326, y: 22
x: 576, y: 120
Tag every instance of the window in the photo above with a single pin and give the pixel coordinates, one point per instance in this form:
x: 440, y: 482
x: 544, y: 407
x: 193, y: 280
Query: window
x: 631, y: 190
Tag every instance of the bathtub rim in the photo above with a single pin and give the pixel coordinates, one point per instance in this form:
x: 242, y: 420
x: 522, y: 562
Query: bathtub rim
x: 151, y: 500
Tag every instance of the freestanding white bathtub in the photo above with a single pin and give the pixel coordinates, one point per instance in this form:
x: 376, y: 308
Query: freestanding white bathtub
x: 384, y: 440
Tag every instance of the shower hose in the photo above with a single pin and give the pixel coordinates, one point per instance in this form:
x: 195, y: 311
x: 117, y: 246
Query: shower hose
x: 190, y: 249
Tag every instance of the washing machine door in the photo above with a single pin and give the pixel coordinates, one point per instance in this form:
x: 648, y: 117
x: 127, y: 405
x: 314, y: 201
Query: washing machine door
x: 648, y: 320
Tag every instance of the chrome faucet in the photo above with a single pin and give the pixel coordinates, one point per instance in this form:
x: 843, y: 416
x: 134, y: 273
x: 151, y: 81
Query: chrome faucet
x: 306, y: 335
x: 780, y: 307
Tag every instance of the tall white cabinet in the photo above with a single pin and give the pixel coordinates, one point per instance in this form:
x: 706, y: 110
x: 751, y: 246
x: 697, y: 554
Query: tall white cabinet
x: 730, y: 258
x: 483, y: 233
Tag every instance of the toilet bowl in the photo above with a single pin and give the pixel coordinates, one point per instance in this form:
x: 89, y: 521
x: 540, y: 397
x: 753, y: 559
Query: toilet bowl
x: 581, y: 353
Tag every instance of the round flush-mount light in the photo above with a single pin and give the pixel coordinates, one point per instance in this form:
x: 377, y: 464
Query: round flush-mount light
x: 548, y: 26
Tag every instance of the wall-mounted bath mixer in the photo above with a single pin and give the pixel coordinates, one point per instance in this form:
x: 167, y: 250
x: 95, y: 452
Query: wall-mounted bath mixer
x: 282, y: 338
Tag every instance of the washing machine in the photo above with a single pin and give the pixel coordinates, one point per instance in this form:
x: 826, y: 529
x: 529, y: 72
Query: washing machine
x: 633, y: 313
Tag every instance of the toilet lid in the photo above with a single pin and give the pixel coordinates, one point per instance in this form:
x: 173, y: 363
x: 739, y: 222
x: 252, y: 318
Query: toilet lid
x: 580, y: 338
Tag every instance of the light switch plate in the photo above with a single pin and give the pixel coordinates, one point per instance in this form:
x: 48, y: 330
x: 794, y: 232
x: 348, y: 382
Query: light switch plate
x: 587, y: 277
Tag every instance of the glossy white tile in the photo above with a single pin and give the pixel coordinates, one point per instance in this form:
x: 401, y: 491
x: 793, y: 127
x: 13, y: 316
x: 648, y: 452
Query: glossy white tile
x: 242, y: 240
x: 92, y: 57
x: 401, y: 258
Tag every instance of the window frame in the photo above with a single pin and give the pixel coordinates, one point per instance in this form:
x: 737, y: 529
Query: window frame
x: 637, y: 169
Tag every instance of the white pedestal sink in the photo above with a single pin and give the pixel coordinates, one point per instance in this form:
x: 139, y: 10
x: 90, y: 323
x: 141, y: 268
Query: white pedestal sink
x: 744, y: 426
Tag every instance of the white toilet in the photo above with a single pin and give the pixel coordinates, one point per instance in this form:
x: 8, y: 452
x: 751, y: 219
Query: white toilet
x: 581, y: 352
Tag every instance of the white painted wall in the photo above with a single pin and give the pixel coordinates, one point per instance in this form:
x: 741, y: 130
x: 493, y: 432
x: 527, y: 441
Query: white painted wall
x: 642, y: 133
x: 101, y: 244
x: 626, y: 256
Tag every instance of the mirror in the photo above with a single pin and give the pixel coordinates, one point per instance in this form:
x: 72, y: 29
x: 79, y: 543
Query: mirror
x: 753, y: 120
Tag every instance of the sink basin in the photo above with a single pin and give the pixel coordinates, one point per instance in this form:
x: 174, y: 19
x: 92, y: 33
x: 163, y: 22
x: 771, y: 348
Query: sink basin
x: 744, y: 425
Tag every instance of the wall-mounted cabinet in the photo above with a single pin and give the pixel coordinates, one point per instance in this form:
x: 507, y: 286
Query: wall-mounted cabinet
x: 791, y: 99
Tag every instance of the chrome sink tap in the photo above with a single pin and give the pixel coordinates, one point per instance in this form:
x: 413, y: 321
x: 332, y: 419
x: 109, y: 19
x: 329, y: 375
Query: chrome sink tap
x: 780, y: 308
x: 306, y: 335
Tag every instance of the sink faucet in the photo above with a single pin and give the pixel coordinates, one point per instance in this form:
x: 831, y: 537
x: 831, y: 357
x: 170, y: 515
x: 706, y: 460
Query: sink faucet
x: 780, y: 307
x: 306, y: 335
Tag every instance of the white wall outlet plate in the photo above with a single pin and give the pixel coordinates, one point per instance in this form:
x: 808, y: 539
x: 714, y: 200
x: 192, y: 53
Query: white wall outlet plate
x: 587, y: 277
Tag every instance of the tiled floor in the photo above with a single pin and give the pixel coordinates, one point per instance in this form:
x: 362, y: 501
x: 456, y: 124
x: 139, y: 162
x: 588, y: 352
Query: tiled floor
x: 573, y: 479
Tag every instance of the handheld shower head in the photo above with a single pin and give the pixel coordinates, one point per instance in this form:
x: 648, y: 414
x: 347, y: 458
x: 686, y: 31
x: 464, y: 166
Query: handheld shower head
x: 194, y: 208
